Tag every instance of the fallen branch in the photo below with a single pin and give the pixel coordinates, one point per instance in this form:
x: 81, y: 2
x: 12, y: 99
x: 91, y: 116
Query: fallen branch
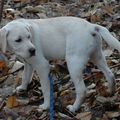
x: 99, y: 73
x: 4, y: 77
x: 1, y: 9
x: 2, y: 105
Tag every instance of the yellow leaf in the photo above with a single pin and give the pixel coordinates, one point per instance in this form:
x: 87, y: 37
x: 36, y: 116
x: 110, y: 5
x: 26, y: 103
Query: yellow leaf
x: 12, y: 102
x: 64, y: 92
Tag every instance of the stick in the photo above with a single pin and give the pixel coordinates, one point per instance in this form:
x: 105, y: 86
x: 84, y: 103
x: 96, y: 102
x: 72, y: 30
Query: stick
x: 95, y: 74
x: 1, y: 9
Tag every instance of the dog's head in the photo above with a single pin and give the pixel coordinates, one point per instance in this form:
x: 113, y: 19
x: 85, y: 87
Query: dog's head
x: 17, y: 37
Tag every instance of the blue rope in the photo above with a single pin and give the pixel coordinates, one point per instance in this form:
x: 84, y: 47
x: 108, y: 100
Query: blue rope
x: 51, y: 97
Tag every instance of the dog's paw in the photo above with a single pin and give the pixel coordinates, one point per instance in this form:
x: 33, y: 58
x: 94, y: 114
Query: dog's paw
x: 71, y: 108
x: 20, y: 88
x: 111, y: 88
x: 43, y: 107
x: 111, y: 91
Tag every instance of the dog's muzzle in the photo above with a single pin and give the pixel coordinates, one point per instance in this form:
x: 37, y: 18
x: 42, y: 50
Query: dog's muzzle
x: 32, y: 51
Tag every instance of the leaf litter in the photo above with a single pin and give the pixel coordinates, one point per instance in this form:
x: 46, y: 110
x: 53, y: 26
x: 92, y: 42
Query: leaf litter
x: 98, y: 105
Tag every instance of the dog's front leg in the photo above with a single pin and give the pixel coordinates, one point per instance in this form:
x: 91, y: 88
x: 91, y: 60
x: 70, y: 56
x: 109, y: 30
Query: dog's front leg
x: 26, y: 77
x: 43, y: 71
x: 42, y: 67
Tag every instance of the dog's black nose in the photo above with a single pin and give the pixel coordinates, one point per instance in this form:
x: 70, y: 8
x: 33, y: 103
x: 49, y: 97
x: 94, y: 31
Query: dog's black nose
x: 32, y: 51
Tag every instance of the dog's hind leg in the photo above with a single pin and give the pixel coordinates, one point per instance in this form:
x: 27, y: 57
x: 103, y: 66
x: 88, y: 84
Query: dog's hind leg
x: 99, y: 60
x: 76, y: 66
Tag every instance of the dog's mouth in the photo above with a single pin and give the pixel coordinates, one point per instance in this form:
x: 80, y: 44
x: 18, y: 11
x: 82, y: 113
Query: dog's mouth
x: 24, y: 59
x: 21, y: 59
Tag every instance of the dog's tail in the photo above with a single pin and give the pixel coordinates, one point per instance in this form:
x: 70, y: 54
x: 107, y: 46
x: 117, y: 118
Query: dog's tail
x: 106, y: 35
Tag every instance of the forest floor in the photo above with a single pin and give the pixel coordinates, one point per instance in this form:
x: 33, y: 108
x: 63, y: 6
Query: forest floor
x: 98, y: 105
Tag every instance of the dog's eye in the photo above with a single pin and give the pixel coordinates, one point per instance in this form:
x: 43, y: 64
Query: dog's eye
x: 28, y: 36
x: 18, y: 40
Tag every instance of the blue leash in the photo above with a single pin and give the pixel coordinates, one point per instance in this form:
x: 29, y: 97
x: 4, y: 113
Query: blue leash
x: 51, y: 97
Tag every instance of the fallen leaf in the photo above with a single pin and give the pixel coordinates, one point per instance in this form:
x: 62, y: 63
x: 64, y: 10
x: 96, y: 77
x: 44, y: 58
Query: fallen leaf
x: 95, y: 18
x: 64, y: 92
x: 108, y: 10
x: 84, y: 116
x: 112, y: 114
x: 105, y: 117
x: 21, y: 1
x: 102, y: 88
x: 101, y: 99
x: 18, y: 65
x: 3, y: 67
x: 12, y: 102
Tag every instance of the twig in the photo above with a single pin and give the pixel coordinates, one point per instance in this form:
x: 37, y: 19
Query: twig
x: 6, y: 75
x: 95, y: 74
x: 8, y: 2
x: 117, y: 65
x: 2, y: 105
x: 24, y: 5
x: 1, y: 9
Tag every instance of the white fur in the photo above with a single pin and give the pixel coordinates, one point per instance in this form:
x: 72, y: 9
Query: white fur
x: 70, y: 38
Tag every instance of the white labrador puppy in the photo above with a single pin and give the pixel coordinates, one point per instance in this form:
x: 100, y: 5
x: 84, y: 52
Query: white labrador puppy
x: 69, y: 38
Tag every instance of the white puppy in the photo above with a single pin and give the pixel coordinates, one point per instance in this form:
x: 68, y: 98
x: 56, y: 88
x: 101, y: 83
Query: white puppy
x: 69, y: 38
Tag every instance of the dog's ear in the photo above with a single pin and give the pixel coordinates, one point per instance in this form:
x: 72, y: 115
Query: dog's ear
x: 3, y: 41
x: 30, y: 29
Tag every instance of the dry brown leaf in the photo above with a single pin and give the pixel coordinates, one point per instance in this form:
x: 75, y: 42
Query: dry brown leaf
x: 64, y: 92
x: 95, y: 18
x: 67, y: 97
x: 9, y: 14
x: 82, y: 2
x: 17, y: 1
x: 21, y: 1
x: 2, y: 79
x: 84, y: 116
x: 108, y: 10
x: 101, y: 99
x: 105, y: 117
x: 112, y: 114
x: 42, y: 1
x: 28, y: 1
x: 103, y: 89
x: 3, y: 67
